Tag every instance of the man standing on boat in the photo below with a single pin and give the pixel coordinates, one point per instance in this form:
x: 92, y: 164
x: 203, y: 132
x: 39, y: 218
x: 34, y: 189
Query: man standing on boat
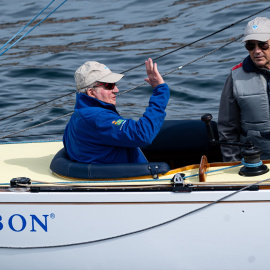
x: 96, y: 133
x: 244, y: 105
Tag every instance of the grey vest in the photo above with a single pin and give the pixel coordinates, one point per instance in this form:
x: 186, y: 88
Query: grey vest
x: 250, y: 91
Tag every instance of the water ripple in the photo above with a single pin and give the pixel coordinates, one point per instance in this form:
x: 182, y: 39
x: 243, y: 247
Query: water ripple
x: 121, y: 34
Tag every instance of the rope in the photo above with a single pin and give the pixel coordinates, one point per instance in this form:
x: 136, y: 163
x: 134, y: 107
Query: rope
x: 217, y: 170
x: 109, y: 181
x: 26, y: 25
x: 251, y: 165
x: 33, y: 28
x: 145, y: 229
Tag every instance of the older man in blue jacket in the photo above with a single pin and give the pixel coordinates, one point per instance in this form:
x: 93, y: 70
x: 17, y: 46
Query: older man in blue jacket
x: 96, y: 133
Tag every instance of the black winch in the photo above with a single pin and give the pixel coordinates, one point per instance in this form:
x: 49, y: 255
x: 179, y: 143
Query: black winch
x: 253, y: 166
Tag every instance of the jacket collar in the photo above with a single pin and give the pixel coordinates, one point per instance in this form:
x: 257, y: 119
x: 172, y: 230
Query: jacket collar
x: 84, y: 101
x: 249, y: 66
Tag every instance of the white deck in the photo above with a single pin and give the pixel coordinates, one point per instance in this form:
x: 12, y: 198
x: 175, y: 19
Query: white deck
x: 32, y: 160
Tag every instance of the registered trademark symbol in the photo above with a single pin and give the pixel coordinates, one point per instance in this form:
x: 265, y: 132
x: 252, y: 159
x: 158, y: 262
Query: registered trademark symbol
x: 52, y: 215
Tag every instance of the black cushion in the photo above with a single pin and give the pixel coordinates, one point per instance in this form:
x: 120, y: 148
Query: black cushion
x: 63, y: 166
x: 183, y: 142
x: 182, y: 135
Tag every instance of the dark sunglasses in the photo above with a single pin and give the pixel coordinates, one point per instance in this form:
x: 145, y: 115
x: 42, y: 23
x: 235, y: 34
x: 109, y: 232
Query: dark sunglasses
x: 108, y: 86
x: 250, y: 46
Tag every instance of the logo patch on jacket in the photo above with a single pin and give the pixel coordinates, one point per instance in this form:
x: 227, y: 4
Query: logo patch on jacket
x: 118, y: 122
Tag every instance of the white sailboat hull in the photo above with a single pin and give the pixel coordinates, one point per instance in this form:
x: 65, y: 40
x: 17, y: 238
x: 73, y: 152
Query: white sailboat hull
x: 134, y: 230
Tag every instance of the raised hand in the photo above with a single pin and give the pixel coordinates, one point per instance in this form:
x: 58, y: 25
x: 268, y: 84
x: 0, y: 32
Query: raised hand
x: 154, y: 77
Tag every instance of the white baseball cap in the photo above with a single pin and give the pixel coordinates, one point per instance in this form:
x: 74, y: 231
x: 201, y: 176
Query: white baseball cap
x: 257, y: 29
x: 92, y: 71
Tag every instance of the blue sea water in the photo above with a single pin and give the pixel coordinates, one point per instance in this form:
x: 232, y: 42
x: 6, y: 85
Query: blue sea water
x: 121, y: 34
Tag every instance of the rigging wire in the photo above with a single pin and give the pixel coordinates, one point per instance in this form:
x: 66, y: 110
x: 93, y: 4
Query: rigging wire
x: 234, y: 39
x: 33, y: 28
x: 38, y: 125
x: 26, y: 25
x: 222, y: 29
x: 29, y: 109
x: 182, y: 47
x: 36, y: 135
x: 163, y: 75
x: 169, y: 72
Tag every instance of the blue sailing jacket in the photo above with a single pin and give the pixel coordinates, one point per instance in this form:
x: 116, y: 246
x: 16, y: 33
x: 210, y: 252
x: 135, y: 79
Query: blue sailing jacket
x: 96, y: 133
